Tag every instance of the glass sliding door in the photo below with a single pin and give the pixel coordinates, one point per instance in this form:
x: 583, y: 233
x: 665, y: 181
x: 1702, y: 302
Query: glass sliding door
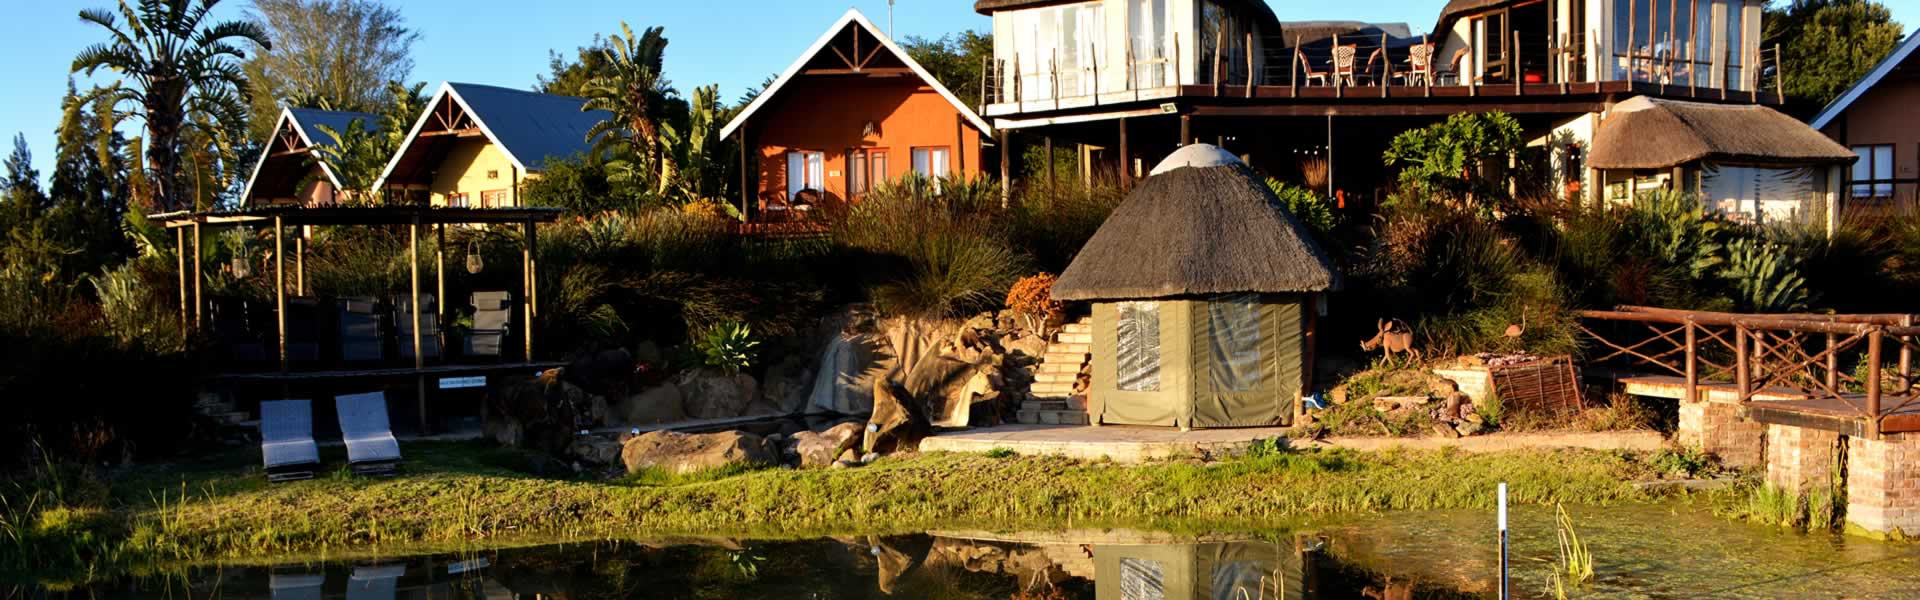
x: 1149, y: 28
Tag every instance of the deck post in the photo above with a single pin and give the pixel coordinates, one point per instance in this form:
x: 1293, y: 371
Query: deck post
x: 1906, y: 358
x: 746, y: 191
x: 440, y: 269
x: 1513, y: 68
x: 1833, y: 362
x: 280, y: 288
x: 197, y: 302
x: 1693, y: 371
x: 1006, y: 168
x: 1186, y: 129
x: 1048, y: 141
x: 300, y: 263
x: 1312, y: 311
x: 1743, y: 367
x: 1873, y: 378
x: 530, y: 279
x: 180, y: 253
x: 1126, y: 159
x: 413, y: 312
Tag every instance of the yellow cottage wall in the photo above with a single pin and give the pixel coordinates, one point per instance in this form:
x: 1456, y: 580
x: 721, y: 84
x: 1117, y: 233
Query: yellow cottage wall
x: 474, y: 167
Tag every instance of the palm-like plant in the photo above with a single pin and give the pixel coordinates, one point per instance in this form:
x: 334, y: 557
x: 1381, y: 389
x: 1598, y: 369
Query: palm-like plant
x: 357, y: 156
x: 179, y: 72
x: 631, y: 87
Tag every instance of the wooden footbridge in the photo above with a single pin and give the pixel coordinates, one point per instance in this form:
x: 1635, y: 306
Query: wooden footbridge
x: 1851, y: 374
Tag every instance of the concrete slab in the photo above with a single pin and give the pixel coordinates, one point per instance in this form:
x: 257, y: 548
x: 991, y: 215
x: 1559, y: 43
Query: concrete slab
x: 1142, y: 444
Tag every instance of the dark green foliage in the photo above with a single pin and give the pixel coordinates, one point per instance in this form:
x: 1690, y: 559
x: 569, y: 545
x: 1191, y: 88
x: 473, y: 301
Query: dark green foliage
x: 583, y: 187
x: 1052, y: 224
x: 729, y: 347
x: 1460, y: 162
x: 955, y: 60
x: 1828, y: 45
x: 1460, y: 282
x: 932, y: 249
x: 1765, y: 277
x: 1308, y: 206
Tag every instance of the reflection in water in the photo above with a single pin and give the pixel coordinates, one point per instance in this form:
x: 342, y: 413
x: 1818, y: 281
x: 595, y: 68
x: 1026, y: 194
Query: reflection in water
x: 1641, y: 551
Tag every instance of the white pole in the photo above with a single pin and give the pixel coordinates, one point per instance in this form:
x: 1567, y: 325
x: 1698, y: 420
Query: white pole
x: 1503, y: 542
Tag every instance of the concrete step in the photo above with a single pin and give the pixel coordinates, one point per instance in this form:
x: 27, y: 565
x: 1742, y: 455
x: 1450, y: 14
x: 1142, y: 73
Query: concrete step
x: 1078, y: 339
x: 1059, y: 388
x: 1069, y: 359
x: 1056, y: 376
x: 1069, y: 348
x: 1038, y: 405
x: 1053, y: 417
x: 1060, y: 366
x: 1081, y: 327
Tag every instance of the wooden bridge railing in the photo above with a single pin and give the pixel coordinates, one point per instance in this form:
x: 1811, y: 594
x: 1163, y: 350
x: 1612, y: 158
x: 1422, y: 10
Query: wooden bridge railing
x: 1793, y: 355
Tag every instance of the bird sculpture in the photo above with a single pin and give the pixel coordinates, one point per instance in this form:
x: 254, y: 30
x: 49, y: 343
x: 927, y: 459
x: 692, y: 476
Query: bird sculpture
x: 1515, y: 331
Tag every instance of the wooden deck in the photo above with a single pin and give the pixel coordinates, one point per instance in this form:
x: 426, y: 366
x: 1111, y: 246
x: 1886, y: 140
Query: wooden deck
x: 527, y: 368
x: 1778, y: 405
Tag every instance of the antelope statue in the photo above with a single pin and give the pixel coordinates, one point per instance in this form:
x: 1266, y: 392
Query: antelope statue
x: 1395, y: 336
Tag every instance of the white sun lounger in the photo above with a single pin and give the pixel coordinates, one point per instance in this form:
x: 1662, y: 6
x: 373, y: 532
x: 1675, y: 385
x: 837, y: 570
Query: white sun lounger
x: 371, y: 448
x: 375, y: 582
x: 286, y: 440
x: 296, y: 587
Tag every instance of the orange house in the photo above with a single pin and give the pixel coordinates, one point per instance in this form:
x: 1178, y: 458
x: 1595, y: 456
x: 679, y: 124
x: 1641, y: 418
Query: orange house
x: 852, y: 112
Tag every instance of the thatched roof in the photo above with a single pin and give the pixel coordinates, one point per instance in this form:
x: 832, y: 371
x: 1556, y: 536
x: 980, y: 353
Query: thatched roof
x: 1203, y: 224
x: 1649, y: 133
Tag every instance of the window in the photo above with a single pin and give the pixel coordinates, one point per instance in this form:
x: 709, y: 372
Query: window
x: 1494, y: 35
x: 1152, y: 47
x: 494, y: 199
x: 1233, y: 325
x: 1872, y: 176
x: 1056, y: 47
x: 1736, y: 52
x: 1663, y: 41
x: 930, y: 162
x: 868, y: 168
x: 1220, y: 25
x: 1137, y: 347
x: 805, y: 171
x: 457, y: 200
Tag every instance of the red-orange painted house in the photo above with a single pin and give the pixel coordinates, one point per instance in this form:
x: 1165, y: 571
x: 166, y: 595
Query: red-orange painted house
x: 853, y: 111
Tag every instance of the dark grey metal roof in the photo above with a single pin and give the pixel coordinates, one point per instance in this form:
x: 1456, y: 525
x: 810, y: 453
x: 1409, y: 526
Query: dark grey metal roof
x: 530, y: 126
x: 310, y: 120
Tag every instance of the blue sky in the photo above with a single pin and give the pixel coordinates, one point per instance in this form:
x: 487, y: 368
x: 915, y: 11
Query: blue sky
x: 735, y: 43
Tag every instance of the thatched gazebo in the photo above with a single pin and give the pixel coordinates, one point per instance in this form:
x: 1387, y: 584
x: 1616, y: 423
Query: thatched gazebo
x: 1204, y: 292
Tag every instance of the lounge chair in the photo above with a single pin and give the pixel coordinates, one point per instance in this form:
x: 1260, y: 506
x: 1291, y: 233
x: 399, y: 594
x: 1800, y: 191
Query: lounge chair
x: 429, y: 323
x: 286, y: 440
x: 371, y: 448
x: 296, y: 587
x: 379, y: 582
x: 233, y: 327
x: 492, y: 319
x: 360, y: 331
x: 303, y: 329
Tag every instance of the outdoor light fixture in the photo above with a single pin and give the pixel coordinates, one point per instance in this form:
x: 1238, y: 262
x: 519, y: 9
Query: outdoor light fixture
x: 870, y: 129
x: 240, y: 268
x: 474, y: 263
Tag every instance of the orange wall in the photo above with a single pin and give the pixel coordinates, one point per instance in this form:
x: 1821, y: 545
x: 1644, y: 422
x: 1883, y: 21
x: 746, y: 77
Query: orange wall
x: 1884, y: 115
x: 828, y: 114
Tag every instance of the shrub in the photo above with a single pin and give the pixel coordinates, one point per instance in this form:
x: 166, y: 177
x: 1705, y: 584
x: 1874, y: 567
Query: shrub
x: 1764, y: 278
x: 1312, y: 209
x: 932, y: 249
x: 729, y: 347
x: 1461, y: 282
x: 584, y: 187
x: 1460, y: 162
x: 1051, y: 224
x: 1032, y: 299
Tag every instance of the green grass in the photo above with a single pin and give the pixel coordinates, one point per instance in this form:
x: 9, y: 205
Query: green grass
x: 455, y: 495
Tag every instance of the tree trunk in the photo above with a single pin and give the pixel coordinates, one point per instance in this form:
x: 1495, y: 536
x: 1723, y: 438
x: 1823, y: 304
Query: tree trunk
x: 164, y: 105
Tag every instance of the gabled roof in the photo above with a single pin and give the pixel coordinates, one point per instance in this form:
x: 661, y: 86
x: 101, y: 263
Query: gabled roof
x: 528, y: 127
x: 307, y: 121
x: 1879, y: 72
x: 1203, y: 224
x: 852, y: 18
x: 1653, y: 133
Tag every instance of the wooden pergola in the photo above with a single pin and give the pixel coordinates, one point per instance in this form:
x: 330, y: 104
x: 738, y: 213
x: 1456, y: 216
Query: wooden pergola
x: 279, y: 218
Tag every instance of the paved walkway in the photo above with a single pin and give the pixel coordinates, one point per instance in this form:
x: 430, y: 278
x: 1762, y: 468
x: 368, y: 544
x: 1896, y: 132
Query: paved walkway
x: 1141, y: 444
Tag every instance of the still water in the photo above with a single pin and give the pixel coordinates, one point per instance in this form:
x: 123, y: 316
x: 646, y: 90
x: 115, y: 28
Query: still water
x: 1668, y: 550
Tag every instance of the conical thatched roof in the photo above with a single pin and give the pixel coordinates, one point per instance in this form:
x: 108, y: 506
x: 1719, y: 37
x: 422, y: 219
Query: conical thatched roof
x: 1203, y: 224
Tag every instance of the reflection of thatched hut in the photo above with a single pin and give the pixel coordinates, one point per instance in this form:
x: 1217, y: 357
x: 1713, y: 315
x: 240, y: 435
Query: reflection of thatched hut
x: 1204, y: 293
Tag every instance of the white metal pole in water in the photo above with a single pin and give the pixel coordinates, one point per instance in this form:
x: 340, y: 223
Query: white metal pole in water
x: 1503, y: 542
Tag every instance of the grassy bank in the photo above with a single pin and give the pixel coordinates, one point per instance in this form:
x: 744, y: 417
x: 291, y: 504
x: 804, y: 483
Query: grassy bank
x: 452, y: 495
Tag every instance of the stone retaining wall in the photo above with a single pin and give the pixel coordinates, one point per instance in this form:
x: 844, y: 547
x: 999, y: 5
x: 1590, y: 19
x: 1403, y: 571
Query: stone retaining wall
x: 1883, y: 484
x: 1799, y: 458
x: 1717, y: 428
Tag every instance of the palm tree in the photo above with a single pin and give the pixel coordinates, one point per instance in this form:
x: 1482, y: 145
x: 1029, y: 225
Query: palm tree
x: 631, y: 87
x: 179, y: 74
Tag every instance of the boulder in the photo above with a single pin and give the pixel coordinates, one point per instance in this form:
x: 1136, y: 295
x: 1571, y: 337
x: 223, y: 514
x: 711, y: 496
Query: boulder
x: 658, y: 404
x: 897, y: 423
x: 948, y: 387
x: 844, y: 376
x: 679, y: 453
x: 822, y: 448
x: 596, y: 450
x: 788, y: 385
x: 708, y: 394
x: 535, y: 414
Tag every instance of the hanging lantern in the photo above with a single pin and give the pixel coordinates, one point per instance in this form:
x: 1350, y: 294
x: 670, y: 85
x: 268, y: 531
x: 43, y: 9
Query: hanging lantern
x: 474, y: 262
x: 241, y: 270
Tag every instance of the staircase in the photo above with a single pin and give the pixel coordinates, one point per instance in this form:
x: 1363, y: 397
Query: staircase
x: 233, y: 427
x: 1057, y: 396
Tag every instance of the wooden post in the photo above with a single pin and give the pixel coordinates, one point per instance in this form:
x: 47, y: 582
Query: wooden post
x: 1693, y: 373
x: 1186, y: 129
x: 1833, y: 362
x: 1779, y: 75
x: 280, y: 288
x: 746, y: 189
x: 1311, y: 339
x: 530, y: 281
x: 1743, y: 362
x: 1513, y: 66
x: 1906, y: 358
x: 1253, y: 80
x: 1219, y: 38
x: 1873, y: 378
x: 180, y: 253
x: 1006, y: 168
x: 1330, y: 186
x: 300, y: 263
x: 1048, y: 141
x: 413, y: 313
x: 1386, y: 77
x: 197, y: 302
x: 440, y: 270
x: 985, y: 64
x: 1126, y: 159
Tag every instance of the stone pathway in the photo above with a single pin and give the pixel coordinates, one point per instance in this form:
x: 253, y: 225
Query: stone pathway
x: 1142, y: 444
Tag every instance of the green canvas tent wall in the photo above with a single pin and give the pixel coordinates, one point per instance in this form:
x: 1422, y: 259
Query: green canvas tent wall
x: 1197, y: 571
x: 1204, y: 292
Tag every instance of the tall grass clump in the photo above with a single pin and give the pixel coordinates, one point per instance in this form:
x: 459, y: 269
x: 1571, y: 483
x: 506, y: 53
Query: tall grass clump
x: 931, y: 248
x: 1053, y: 222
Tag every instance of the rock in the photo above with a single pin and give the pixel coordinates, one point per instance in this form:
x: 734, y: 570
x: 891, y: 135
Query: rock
x: 529, y: 413
x: 713, y: 395
x: 982, y: 321
x: 678, y: 453
x: 604, y: 373
x: 868, y: 458
x: 1442, y: 387
x: 847, y: 367
x: 1444, y: 430
x: 841, y: 464
x: 1469, y: 428
x: 821, y: 449
x: 596, y: 450
x: 1474, y: 418
x: 787, y: 385
x: 1029, y: 346
x: 1338, y: 395
x: 897, y: 423
x: 659, y: 404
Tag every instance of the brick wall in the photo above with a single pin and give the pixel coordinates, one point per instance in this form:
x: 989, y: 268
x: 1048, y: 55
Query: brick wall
x: 1883, y: 483
x: 1799, y: 458
x: 1716, y: 427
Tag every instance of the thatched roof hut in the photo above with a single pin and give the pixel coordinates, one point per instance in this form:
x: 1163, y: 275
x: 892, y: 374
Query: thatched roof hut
x: 1202, y: 224
x: 1651, y: 133
x: 1204, y: 290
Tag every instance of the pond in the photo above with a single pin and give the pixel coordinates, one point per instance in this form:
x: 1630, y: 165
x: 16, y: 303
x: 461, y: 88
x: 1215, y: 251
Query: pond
x: 1666, y: 550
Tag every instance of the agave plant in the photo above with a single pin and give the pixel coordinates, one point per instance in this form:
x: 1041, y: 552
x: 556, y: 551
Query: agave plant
x: 1765, y: 277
